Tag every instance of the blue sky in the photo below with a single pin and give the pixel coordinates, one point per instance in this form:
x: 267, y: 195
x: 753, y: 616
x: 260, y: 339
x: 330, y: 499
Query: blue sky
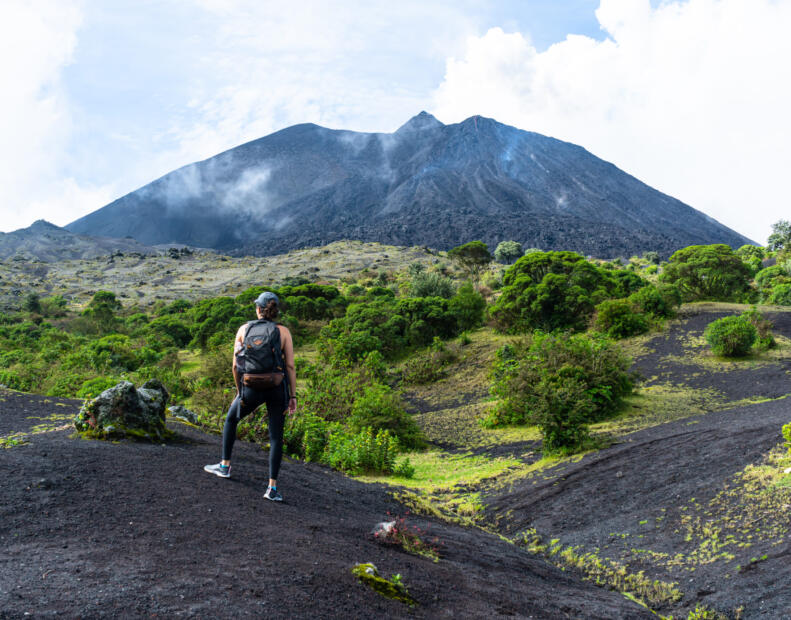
x: 105, y: 96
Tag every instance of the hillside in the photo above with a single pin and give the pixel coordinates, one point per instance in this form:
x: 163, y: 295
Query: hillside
x: 49, y: 243
x: 425, y: 184
x: 130, y: 530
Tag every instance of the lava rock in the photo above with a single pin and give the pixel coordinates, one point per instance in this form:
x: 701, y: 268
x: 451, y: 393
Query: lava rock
x: 180, y: 411
x: 123, y: 411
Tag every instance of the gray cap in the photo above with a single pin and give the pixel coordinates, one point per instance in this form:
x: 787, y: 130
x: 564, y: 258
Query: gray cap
x: 265, y: 297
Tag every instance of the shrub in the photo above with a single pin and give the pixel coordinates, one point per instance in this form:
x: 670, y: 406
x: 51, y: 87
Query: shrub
x: 780, y: 295
x: 619, y: 319
x: 431, y: 284
x: 468, y: 307
x: 93, y: 387
x: 379, y: 407
x: 763, y: 327
x: 731, y: 336
x: 768, y: 279
x: 658, y: 302
x: 561, y: 383
x: 752, y: 256
x: 552, y: 290
x: 708, y: 272
x: 787, y: 436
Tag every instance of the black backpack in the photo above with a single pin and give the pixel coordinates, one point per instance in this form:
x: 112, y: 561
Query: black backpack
x: 261, y: 351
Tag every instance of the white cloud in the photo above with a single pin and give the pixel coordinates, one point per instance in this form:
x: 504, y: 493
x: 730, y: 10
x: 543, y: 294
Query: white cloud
x: 691, y: 97
x: 344, y: 65
x: 37, y: 40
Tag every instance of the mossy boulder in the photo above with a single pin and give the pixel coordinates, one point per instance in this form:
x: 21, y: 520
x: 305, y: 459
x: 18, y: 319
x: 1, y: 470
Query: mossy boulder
x: 123, y: 411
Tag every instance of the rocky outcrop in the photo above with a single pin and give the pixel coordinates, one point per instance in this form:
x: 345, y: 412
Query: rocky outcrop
x: 123, y: 411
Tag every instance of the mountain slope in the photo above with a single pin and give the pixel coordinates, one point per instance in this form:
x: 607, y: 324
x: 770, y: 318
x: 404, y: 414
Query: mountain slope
x: 425, y: 184
x: 47, y: 242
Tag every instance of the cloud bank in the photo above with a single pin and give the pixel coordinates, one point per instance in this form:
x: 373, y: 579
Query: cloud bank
x: 37, y: 40
x: 691, y: 97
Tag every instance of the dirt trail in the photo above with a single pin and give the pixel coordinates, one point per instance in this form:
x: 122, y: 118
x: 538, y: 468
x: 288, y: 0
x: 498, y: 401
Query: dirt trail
x: 99, y: 529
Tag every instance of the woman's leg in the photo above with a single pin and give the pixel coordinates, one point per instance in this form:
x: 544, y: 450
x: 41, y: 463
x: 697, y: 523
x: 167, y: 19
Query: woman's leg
x: 229, y: 429
x: 277, y: 418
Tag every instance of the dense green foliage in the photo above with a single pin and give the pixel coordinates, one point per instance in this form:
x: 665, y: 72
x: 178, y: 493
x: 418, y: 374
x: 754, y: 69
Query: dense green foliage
x: 560, y: 383
x: 731, y: 336
x: 752, y: 256
x: 708, y: 272
x: 619, y: 318
x: 557, y: 290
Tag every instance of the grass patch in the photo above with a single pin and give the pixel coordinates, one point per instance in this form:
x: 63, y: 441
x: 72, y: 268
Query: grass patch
x: 436, y: 470
x: 658, y: 404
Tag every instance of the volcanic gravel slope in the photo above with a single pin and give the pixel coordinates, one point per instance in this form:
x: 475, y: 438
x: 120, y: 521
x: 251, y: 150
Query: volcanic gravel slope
x: 102, y: 529
x: 667, y: 500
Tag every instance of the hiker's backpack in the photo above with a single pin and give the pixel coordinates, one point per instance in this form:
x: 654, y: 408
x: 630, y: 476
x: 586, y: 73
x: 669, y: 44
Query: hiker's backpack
x: 260, y: 351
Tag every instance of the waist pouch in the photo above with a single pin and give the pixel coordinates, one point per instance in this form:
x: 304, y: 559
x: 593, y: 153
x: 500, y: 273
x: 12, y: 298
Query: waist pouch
x: 263, y: 381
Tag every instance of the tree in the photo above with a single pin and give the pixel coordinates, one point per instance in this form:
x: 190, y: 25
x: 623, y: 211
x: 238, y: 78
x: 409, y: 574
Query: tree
x: 708, y: 272
x: 752, y: 256
x: 508, y: 251
x: 780, y: 239
x: 473, y: 257
x: 553, y: 290
x: 651, y: 257
x: 32, y: 303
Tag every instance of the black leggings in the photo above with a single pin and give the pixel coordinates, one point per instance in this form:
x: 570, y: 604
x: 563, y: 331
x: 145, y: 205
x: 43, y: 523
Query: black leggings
x: 275, y: 399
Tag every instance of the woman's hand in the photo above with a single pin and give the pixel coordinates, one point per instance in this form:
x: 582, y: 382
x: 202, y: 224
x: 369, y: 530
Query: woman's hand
x: 292, y: 404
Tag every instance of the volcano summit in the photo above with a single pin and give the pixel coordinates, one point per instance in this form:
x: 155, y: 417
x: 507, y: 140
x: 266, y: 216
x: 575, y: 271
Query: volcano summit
x: 425, y: 184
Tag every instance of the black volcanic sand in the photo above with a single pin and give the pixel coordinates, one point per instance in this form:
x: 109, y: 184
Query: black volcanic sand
x: 100, y: 529
x: 624, y: 489
x: 635, y: 495
x: 761, y: 380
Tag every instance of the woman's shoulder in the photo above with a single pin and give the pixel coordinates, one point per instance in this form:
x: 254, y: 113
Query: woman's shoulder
x: 283, y: 330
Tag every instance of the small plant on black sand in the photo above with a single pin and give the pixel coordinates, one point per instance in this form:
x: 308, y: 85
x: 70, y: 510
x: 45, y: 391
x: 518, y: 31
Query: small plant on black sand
x: 731, y: 336
x: 389, y: 588
x: 409, y: 538
x: 787, y: 437
x: 763, y: 328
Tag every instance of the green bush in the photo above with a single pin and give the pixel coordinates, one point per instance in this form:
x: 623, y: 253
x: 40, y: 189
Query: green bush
x: 787, y: 436
x: 618, y: 318
x: 561, y: 383
x: 308, y: 436
x: 14, y: 381
x: 93, y: 387
x: 379, y: 407
x: 731, y: 336
x: 763, y: 328
x: 555, y: 290
x: 468, y: 307
x: 708, y: 272
x: 658, y: 301
x: 780, y: 295
x: 431, y: 284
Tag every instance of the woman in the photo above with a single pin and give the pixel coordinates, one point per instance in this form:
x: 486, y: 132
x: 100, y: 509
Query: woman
x: 280, y: 399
